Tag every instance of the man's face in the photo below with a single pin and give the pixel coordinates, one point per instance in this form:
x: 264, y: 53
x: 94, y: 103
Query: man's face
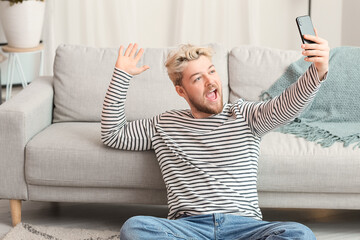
x: 201, y: 88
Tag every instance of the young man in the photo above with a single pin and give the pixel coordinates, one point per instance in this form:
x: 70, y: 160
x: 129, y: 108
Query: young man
x: 208, y: 155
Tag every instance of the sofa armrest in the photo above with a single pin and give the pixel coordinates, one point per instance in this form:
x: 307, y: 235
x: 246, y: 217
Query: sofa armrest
x: 21, y: 118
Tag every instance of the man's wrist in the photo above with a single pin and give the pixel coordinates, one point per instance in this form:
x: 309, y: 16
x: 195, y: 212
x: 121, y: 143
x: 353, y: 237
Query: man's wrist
x: 120, y: 70
x: 322, y: 75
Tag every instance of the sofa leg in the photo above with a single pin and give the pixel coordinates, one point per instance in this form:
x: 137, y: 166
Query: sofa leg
x: 15, y: 206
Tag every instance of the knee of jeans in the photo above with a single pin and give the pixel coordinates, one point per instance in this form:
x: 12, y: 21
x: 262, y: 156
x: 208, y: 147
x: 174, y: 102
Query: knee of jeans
x: 131, y: 229
x: 301, y: 231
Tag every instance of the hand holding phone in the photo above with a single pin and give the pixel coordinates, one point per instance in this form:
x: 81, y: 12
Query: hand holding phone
x: 316, y: 49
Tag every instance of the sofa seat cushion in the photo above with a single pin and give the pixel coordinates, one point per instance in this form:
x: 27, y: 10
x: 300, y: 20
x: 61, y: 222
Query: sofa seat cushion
x: 291, y: 164
x: 72, y: 154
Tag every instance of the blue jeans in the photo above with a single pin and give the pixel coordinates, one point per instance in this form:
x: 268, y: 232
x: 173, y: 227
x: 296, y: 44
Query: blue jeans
x: 211, y: 226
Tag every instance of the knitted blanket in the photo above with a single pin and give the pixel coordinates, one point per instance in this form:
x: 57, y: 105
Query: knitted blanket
x: 334, y: 114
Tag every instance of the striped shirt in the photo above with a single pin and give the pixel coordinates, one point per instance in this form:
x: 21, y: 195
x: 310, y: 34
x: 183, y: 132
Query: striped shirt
x: 208, y: 165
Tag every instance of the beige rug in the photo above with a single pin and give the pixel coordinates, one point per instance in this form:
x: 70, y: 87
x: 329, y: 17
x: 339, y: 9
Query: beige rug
x: 32, y: 232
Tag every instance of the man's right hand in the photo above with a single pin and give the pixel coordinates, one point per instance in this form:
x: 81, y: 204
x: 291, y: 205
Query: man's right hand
x: 127, y: 61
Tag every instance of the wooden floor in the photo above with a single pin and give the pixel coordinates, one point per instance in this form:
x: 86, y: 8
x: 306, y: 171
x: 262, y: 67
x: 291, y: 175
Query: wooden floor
x: 3, y: 92
x: 326, y: 224
x: 16, y: 89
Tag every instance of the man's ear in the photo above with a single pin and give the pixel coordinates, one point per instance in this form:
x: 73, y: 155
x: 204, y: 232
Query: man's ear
x: 180, y: 90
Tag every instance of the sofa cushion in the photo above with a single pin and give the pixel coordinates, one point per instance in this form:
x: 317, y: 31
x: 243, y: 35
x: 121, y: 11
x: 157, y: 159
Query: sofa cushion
x: 254, y: 69
x: 82, y: 75
x: 291, y: 164
x: 72, y: 155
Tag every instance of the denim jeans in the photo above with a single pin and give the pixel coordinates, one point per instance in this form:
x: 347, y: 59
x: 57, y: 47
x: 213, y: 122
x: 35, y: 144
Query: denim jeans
x: 212, y: 226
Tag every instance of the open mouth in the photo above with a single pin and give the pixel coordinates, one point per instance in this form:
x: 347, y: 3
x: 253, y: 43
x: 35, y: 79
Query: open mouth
x: 212, y: 95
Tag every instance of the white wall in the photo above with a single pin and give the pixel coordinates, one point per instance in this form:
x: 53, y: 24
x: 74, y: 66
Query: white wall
x: 327, y: 16
x: 350, y: 34
x: 161, y: 23
x: 278, y: 27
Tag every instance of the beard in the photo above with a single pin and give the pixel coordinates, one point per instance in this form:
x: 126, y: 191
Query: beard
x: 202, y: 107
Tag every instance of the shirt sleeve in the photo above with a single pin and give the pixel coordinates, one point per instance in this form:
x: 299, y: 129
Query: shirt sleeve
x: 263, y: 117
x: 116, y: 132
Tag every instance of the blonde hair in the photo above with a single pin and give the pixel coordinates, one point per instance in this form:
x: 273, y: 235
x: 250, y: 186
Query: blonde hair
x: 178, y: 59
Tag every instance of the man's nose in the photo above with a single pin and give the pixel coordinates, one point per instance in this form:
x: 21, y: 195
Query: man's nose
x: 209, y: 81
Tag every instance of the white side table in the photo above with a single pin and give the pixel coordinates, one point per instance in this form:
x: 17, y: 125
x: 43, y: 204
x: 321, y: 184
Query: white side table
x: 14, y: 62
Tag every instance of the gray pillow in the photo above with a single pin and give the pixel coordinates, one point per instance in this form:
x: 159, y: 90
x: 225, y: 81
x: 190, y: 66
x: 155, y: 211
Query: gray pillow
x: 253, y: 69
x: 82, y: 75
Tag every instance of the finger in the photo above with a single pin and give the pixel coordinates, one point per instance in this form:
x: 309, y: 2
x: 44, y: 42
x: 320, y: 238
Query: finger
x: 321, y: 47
x: 144, y: 68
x: 315, y: 47
x: 314, y: 39
x: 121, y: 50
x: 316, y: 33
x: 133, y: 51
x: 315, y: 53
x: 128, y: 50
x: 139, y: 54
x: 141, y: 69
x: 314, y: 59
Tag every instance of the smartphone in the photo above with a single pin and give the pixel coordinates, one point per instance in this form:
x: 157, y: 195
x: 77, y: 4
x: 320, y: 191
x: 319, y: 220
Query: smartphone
x: 305, y: 26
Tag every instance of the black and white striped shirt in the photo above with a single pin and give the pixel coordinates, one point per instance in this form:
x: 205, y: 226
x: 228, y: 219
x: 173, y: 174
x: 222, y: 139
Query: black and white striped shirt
x: 208, y: 165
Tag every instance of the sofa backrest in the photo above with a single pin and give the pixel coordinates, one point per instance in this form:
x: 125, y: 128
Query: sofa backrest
x: 82, y: 75
x: 253, y: 69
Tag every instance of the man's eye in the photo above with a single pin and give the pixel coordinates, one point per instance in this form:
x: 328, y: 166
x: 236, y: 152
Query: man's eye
x: 212, y: 71
x: 197, y: 79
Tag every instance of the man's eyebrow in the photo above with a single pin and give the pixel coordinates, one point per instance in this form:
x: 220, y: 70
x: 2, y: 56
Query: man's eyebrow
x: 212, y: 65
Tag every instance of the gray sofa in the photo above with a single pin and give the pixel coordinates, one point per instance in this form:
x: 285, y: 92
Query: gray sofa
x: 50, y: 147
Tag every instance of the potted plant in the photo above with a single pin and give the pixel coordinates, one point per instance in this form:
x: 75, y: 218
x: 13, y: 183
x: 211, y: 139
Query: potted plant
x: 22, y: 21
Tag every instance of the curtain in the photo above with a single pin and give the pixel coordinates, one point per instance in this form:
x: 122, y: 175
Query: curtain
x: 164, y: 23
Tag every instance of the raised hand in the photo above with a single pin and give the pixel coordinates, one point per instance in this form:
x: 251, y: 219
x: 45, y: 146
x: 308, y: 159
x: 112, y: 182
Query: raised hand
x: 319, y: 52
x: 128, y: 60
